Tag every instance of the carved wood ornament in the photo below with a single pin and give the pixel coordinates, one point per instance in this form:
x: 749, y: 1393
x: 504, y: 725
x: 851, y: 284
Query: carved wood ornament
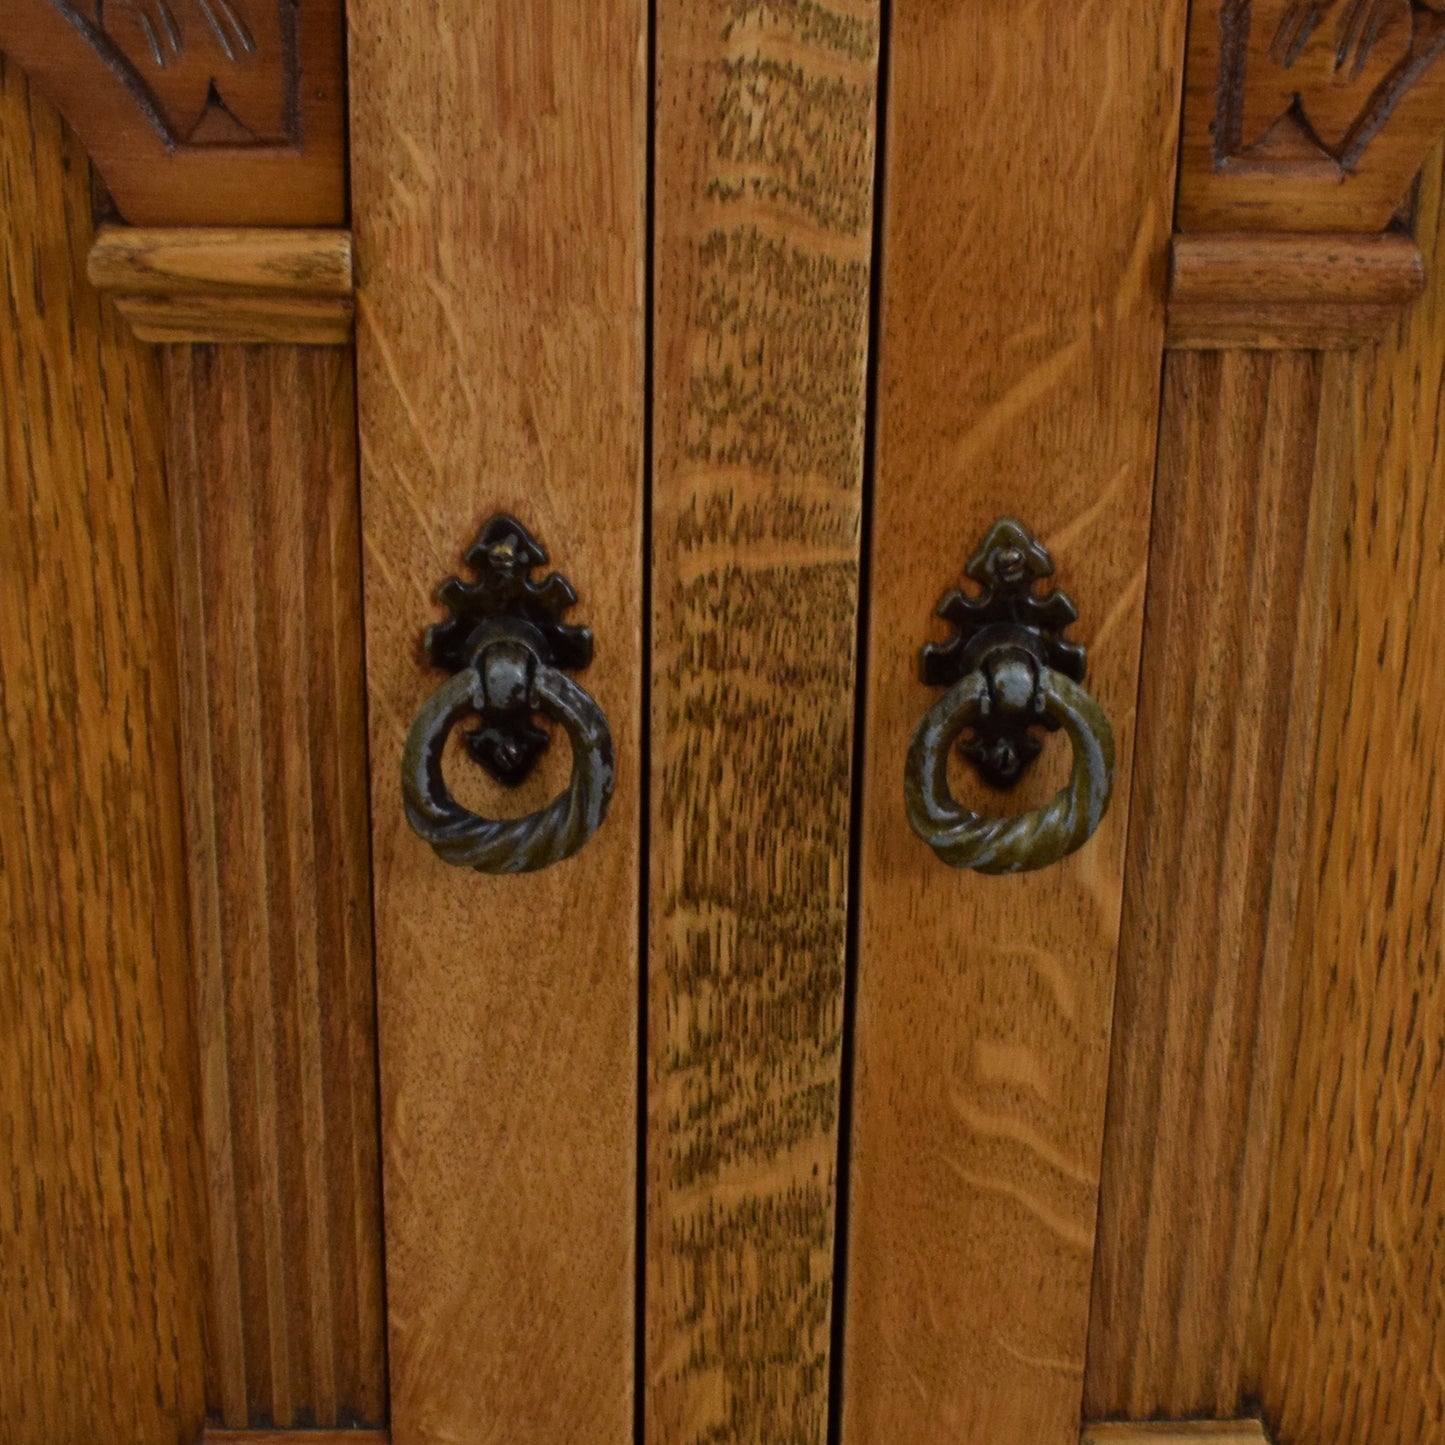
x: 197, y: 112
x: 1305, y: 125
x: 1308, y: 115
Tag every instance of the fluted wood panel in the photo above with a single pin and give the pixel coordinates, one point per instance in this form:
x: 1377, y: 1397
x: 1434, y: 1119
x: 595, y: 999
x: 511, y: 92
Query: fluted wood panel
x: 1348, y: 1334
x: 262, y: 466
x: 100, y: 1220
x: 1230, y: 686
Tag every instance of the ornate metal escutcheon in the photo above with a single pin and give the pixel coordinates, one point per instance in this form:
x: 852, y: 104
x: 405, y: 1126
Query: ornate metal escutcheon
x: 506, y: 648
x: 1008, y: 670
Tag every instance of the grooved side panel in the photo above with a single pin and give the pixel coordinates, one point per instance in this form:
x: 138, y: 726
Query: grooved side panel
x: 498, y: 159
x: 261, y: 460
x: 1029, y: 186
x: 101, y: 1222
x: 1236, y: 612
x: 764, y: 142
x: 1347, y: 1334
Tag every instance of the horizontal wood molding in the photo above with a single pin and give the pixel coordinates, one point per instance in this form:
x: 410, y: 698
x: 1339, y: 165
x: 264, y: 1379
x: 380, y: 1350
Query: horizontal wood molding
x: 1281, y: 291
x: 1177, y: 1432
x: 197, y: 114
x: 237, y: 284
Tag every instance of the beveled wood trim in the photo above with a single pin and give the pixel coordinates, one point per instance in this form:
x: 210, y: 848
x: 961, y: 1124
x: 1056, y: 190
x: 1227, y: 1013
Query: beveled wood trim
x: 1176, y: 1432
x: 211, y: 1436
x: 1261, y: 291
x: 239, y: 285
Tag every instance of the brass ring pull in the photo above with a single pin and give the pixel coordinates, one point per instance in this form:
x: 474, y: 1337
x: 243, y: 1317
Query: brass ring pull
x: 1007, y: 669
x: 965, y: 839
x: 505, y: 645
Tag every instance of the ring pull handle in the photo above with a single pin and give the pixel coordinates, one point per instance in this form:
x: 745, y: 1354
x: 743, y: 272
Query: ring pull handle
x: 506, y: 647
x: 1007, y: 669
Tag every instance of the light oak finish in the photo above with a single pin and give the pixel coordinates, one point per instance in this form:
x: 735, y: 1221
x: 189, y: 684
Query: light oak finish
x: 1292, y: 292
x: 1302, y: 115
x: 101, y: 1249
x: 1250, y: 450
x: 1022, y: 334
x: 498, y: 161
x: 1347, y: 1334
x: 198, y: 114
x: 764, y: 142
x: 262, y: 469
x: 238, y: 285
x: 1185, y: 1432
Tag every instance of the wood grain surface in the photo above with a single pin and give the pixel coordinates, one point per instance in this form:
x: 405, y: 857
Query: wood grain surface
x: 1024, y: 266
x: 101, y: 1249
x: 198, y: 114
x: 764, y: 142
x: 1347, y: 1337
x: 262, y: 468
x: 499, y: 189
x: 1256, y: 290
x: 1251, y: 447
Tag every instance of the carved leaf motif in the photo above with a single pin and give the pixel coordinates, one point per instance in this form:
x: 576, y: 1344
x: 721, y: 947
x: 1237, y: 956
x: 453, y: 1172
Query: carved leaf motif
x: 219, y: 71
x: 1326, y: 71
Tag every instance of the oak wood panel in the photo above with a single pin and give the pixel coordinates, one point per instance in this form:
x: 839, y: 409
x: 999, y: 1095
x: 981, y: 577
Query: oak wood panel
x: 101, y: 1269
x: 764, y: 142
x: 1347, y: 1342
x: 1251, y: 446
x: 1258, y: 290
x: 196, y: 113
x: 262, y: 468
x: 1024, y: 265
x: 499, y: 185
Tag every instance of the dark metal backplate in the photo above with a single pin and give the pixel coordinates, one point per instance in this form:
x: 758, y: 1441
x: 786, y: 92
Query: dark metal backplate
x: 505, y: 600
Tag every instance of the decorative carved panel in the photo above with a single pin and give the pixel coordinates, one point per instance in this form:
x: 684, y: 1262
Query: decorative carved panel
x: 197, y: 112
x: 1308, y: 115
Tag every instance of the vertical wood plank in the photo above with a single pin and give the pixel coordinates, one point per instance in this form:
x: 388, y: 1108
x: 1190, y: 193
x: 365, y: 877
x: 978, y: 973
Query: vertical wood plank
x: 1250, y: 449
x: 1030, y: 158
x: 498, y: 189
x: 765, y: 127
x: 262, y: 466
x: 1347, y: 1337
x: 101, y: 1302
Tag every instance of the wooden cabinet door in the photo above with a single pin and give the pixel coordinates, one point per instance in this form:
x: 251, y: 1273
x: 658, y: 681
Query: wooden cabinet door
x: 753, y: 1120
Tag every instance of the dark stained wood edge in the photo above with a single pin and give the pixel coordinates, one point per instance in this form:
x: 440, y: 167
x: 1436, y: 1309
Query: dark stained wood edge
x: 1280, y: 291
